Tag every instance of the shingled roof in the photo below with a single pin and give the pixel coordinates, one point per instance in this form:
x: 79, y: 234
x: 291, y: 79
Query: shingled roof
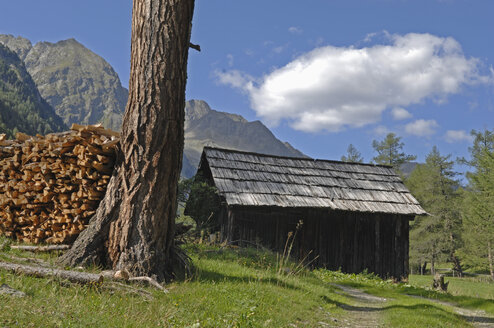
x: 250, y: 179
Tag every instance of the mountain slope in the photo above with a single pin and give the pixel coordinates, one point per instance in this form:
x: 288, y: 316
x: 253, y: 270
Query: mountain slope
x: 81, y: 86
x: 21, y: 106
x: 207, y: 127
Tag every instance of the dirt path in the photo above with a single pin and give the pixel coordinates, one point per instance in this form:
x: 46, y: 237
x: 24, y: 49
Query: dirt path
x: 477, y: 318
x: 365, y: 310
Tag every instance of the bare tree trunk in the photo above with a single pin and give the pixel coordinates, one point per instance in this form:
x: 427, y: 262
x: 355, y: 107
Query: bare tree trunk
x: 433, y: 260
x: 491, y: 260
x: 454, y: 258
x: 457, y: 265
x: 134, y: 225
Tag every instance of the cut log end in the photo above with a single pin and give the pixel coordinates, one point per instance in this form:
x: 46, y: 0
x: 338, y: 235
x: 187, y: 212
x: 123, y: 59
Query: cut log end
x: 51, y: 186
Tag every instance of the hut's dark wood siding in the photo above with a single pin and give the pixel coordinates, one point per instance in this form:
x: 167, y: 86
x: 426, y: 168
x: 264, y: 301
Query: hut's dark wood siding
x: 355, y: 216
x: 347, y: 241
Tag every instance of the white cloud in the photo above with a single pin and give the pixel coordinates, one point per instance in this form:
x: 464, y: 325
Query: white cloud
x: 370, y: 36
x: 331, y: 88
x: 421, y: 128
x: 230, y: 59
x: 235, y: 79
x: 279, y: 49
x: 381, y: 130
x: 249, y: 52
x: 400, y: 113
x: 453, y: 136
x: 295, y: 30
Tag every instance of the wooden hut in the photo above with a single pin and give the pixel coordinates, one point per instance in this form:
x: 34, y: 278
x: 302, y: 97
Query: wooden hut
x: 355, y: 216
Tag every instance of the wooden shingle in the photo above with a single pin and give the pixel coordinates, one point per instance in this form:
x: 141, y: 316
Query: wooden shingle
x: 249, y: 179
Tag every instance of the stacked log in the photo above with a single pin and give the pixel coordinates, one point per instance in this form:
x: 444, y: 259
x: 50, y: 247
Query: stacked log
x: 51, y: 185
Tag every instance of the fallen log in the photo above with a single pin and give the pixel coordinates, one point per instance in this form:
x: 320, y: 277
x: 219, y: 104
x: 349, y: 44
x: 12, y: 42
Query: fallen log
x: 37, y: 249
x: 76, y: 276
x: 151, y: 282
x: 36, y: 271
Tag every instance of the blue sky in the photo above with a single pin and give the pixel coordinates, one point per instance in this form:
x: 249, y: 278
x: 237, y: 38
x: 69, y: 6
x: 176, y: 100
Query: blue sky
x: 320, y: 73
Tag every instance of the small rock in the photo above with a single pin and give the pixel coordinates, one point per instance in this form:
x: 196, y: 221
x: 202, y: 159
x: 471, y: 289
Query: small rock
x: 121, y: 274
x: 7, y: 290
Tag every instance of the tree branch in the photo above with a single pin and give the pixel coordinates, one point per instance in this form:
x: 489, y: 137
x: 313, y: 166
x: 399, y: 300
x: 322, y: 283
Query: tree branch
x: 195, y: 46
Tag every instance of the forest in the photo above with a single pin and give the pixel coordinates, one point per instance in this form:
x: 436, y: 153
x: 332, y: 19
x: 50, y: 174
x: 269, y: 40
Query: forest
x: 460, y: 228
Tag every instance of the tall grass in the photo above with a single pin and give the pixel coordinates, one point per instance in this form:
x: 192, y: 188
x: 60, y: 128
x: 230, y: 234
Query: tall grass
x: 230, y: 287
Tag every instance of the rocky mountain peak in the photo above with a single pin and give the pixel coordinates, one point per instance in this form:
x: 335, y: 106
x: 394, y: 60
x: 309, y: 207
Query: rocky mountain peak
x: 208, y: 127
x: 18, y: 44
x: 81, y: 86
x: 22, y: 109
x: 195, y: 109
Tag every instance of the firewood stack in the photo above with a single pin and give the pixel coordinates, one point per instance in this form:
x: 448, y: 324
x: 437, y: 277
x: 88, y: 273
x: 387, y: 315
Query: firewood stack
x: 51, y: 186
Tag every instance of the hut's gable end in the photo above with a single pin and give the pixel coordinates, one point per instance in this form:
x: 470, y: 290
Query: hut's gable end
x: 248, y: 179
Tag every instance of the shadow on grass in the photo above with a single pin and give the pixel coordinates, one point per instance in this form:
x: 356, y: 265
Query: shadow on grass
x: 468, y: 301
x: 213, y: 276
x: 478, y: 319
x: 439, y: 313
x: 251, y: 257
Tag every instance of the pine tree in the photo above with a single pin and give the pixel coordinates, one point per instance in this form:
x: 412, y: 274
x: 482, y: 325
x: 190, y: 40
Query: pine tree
x: 133, y: 227
x: 390, y: 151
x: 436, y: 237
x: 478, y: 209
x: 352, y: 155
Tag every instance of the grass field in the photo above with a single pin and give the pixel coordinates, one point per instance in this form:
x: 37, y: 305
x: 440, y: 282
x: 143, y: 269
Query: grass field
x: 478, y: 287
x: 230, y: 288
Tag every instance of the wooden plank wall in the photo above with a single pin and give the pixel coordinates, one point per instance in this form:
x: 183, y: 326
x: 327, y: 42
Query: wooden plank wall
x: 349, y: 241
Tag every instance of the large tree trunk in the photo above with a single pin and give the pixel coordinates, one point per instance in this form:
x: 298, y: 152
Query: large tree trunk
x: 134, y: 225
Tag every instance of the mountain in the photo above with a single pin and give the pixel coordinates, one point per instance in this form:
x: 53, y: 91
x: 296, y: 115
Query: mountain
x: 22, y: 108
x: 81, y: 86
x: 207, y: 127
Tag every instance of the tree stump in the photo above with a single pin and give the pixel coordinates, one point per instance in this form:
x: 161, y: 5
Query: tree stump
x: 438, y: 283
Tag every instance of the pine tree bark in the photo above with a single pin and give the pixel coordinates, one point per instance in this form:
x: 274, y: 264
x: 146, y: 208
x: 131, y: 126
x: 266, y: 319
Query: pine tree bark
x: 133, y: 228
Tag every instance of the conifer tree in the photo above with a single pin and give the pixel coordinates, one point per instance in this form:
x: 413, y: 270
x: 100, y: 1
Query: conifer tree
x: 352, y: 155
x: 390, y: 151
x: 133, y: 228
x: 478, y: 208
x: 436, y: 237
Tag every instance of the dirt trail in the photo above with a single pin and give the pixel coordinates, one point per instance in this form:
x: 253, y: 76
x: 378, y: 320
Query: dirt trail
x: 477, y: 318
x: 365, y: 310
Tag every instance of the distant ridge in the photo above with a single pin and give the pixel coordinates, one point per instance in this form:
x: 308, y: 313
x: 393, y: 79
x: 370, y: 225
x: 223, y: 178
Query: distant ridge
x: 22, y: 109
x: 207, y: 127
x: 81, y: 86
